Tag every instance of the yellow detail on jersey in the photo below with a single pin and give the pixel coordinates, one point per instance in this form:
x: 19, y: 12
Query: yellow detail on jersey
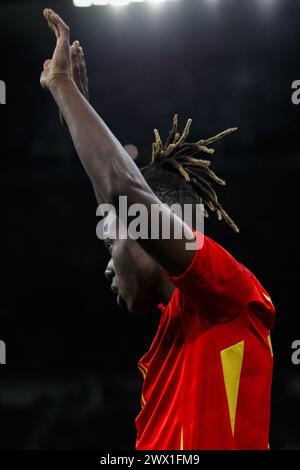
x: 268, y: 298
x: 270, y: 344
x: 232, y: 359
x: 143, y: 370
x: 181, y: 439
x: 143, y: 400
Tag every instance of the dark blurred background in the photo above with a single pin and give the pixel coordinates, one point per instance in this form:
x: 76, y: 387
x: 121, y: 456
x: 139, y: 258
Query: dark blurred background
x: 71, y: 379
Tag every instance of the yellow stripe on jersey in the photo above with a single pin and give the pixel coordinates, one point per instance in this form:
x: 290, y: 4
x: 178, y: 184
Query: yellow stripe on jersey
x: 143, y: 370
x: 181, y: 439
x: 232, y: 359
x: 268, y: 298
x: 270, y: 344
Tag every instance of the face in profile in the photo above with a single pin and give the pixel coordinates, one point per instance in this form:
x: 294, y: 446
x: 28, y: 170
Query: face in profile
x: 135, y: 277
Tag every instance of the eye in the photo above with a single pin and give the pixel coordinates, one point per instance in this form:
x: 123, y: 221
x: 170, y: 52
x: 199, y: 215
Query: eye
x: 108, y: 245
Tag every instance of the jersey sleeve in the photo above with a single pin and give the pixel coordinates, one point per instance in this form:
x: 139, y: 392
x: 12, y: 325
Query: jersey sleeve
x: 214, y: 282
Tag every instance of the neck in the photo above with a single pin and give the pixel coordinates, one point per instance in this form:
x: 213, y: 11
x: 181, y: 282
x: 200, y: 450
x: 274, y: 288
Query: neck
x: 166, y: 289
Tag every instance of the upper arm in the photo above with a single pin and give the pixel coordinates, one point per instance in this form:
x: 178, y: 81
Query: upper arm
x: 164, y: 235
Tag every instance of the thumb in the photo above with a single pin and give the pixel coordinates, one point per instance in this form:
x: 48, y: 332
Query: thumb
x: 47, y: 64
x: 43, y: 80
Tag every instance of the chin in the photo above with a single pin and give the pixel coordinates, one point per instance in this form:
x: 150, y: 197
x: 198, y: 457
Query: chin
x: 139, y: 308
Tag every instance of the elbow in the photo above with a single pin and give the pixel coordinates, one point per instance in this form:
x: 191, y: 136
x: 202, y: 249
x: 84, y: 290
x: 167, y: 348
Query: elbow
x: 116, y: 185
x: 131, y: 186
x: 109, y: 182
x: 120, y: 185
x: 116, y: 178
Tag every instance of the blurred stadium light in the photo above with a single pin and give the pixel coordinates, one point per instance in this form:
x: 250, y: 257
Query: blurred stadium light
x: 132, y: 150
x: 88, y: 3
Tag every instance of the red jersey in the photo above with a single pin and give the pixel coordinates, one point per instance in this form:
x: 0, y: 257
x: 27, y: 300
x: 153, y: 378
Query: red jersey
x: 208, y: 373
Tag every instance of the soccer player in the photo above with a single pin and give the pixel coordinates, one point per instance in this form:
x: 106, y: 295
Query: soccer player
x: 208, y: 373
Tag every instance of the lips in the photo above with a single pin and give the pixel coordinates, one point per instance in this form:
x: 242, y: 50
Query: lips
x: 114, y: 290
x: 121, y: 302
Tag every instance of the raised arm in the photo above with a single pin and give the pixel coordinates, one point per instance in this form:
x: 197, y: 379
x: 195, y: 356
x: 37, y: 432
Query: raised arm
x: 111, y: 170
x: 80, y: 78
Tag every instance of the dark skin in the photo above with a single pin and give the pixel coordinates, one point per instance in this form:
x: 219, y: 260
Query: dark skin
x: 142, y: 287
x: 137, y: 269
x: 79, y: 72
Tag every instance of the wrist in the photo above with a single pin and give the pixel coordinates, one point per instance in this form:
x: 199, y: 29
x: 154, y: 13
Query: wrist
x: 58, y: 82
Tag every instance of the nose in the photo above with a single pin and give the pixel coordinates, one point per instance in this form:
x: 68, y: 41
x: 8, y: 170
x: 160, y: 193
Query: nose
x: 110, y: 271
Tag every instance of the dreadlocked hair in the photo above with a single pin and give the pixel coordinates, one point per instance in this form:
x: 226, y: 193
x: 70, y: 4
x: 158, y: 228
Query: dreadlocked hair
x: 177, y: 174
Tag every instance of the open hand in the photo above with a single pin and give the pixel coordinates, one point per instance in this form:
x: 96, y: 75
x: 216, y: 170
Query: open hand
x: 59, y: 67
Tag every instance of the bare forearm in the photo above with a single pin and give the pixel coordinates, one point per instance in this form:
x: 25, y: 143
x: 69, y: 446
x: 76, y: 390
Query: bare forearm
x: 106, y: 162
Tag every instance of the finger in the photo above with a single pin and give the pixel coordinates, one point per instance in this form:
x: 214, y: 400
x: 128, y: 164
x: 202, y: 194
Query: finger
x: 74, y: 48
x: 43, y: 80
x: 51, y: 25
x: 46, y: 13
x: 75, y: 68
x: 62, y: 50
x: 82, y: 66
x: 54, y: 28
x: 63, y: 28
x: 82, y: 63
x: 74, y: 53
x: 83, y: 73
